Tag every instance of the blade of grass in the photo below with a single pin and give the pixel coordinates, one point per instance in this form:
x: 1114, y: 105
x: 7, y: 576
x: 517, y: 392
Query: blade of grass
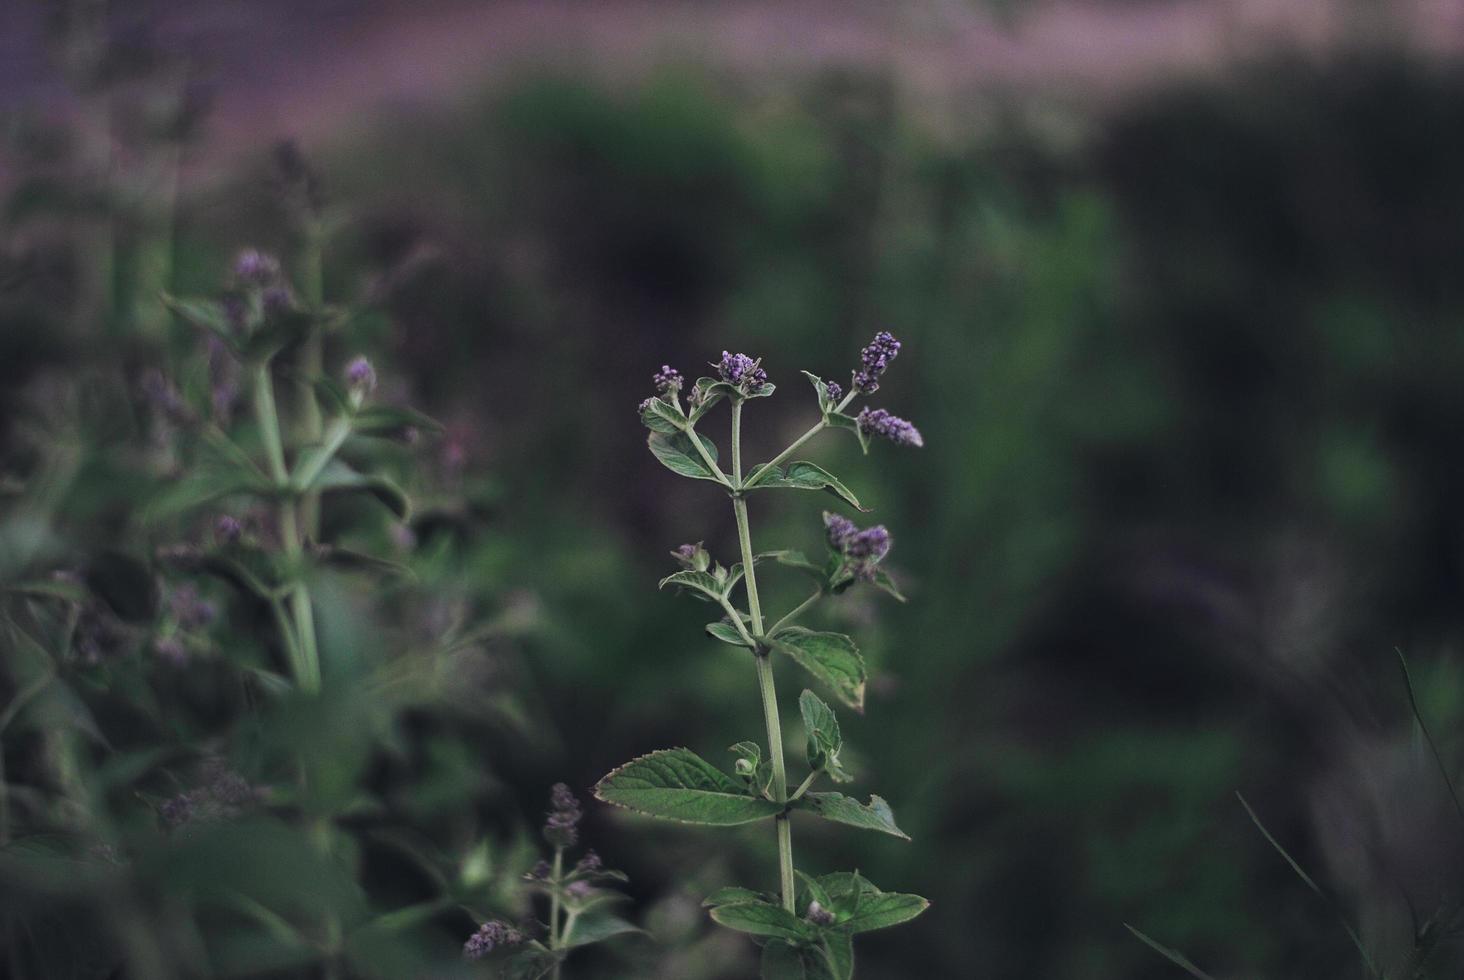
x: 1171, y: 955
x: 1331, y: 903
x: 1432, y: 747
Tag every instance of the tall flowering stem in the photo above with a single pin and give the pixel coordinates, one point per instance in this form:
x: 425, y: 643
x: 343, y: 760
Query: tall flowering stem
x: 808, y: 930
x: 764, y: 663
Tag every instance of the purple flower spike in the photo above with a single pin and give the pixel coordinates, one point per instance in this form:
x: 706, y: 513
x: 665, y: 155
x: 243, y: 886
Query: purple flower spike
x: 881, y: 423
x: 836, y: 392
x: 840, y: 529
x: 743, y: 371
x: 491, y: 935
x: 360, y: 375
x: 874, y: 359
x: 869, y: 545
x: 561, y: 826
x: 668, y: 380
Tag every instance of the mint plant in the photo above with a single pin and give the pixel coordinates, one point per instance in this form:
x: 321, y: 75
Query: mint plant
x: 807, y: 928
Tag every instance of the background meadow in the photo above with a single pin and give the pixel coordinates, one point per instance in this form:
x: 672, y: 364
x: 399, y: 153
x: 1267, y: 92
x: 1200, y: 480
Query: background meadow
x: 1183, y: 328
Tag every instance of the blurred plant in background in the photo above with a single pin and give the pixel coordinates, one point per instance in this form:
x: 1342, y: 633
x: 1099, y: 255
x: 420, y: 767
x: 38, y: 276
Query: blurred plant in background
x: 1185, y: 358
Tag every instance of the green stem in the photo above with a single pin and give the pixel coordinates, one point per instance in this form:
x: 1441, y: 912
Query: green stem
x: 335, y: 437
x: 707, y: 457
x: 308, y: 663
x: 764, y: 670
x: 767, y: 467
x: 796, y: 612
x: 555, y: 936
x: 803, y: 786
x: 312, y: 361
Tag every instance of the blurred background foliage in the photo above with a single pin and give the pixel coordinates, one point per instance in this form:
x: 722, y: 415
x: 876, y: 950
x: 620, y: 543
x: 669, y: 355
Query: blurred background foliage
x: 1187, y: 364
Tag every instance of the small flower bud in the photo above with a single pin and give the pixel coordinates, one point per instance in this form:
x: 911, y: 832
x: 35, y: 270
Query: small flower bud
x: 227, y: 529
x: 668, y: 380
x: 254, y: 268
x: 881, y: 423
x: 589, y: 863
x: 360, y: 375
x: 693, y: 556
x: 579, y: 889
x: 540, y: 871
x: 835, y: 392
x: 819, y: 915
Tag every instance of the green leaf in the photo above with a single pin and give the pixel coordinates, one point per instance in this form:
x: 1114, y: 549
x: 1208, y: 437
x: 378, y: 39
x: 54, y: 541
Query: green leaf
x: 660, y: 415
x: 337, y: 477
x: 353, y: 560
x: 61, y: 590
x: 678, y: 784
x: 798, y: 560
x: 596, y: 928
x: 830, y: 657
x: 821, y: 387
x: 1171, y: 955
x: 824, y: 739
x: 782, y: 960
x: 393, y: 422
x: 838, y: 947
x: 733, y: 895
x: 882, y: 910
x: 874, y: 815
x: 679, y: 456
x: 532, y: 963
x: 883, y: 581
x: 762, y: 919
x: 727, y: 633
x: 705, y: 393
x: 275, y: 334
x: 803, y: 475
x: 204, y: 314
x: 703, y: 585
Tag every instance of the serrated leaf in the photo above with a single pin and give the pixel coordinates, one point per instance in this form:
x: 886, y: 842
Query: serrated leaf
x: 761, y: 919
x: 803, y: 475
x: 393, y: 421
x: 812, y: 891
x: 703, y: 585
x: 883, y: 581
x: 678, y: 455
x: 882, y: 910
x: 830, y: 657
x: 678, y: 784
x: 596, y: 928
x: 337, y: 477
x: 733, y: 895
x: 727, y: 633
x: 824, y: 740
x: 660, y: 415
x: 874, y: 815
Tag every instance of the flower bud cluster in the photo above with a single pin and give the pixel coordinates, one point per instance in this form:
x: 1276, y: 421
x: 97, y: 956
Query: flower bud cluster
x: 561, y: 825
x: 491, y: 935
x: 873, y: 360
x: 879, y: 422
x: 743, y: 371
x: 862, y: 549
